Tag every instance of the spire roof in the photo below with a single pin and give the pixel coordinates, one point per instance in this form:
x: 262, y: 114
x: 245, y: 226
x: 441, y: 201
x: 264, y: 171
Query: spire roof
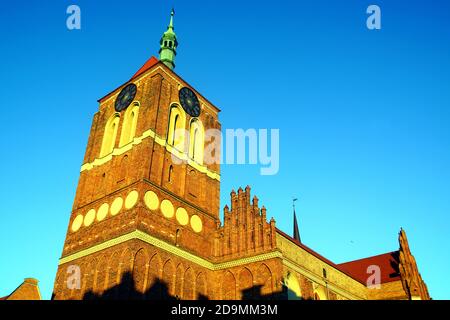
x: 170, y: 29
x: 169, y: 44
x: 172, y: 13
x: 296, y: 232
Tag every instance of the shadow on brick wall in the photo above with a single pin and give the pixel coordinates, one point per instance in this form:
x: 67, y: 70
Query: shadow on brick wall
x: 126, y: 290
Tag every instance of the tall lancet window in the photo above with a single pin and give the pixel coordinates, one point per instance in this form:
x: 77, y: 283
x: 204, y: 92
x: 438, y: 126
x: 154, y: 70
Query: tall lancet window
x: 110, y: 135
x: 176, y: 130
x: 129, y: 124
x: 196, y: 141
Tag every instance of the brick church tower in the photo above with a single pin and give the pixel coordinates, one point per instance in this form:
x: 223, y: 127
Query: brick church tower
x: 143, y: 181
x: 145, y: 220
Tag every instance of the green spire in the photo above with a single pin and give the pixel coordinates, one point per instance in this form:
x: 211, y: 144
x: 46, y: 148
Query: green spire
x: 169, y: 44
x: 172, y: 13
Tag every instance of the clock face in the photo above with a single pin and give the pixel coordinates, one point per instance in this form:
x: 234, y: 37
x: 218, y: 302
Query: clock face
x: 126, y: 96
x: 189, y: 102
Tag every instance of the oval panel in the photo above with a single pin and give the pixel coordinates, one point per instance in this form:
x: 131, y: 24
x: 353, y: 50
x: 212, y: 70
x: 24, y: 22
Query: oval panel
x: 116, y: 206
x: 102, y: 212
x: 151, y: 200
x: 89, y: 218
x: 167, y: 209
x: 182, y: 216
x: 77, y: 222
x: 131, y: 199
x: 196, y: 223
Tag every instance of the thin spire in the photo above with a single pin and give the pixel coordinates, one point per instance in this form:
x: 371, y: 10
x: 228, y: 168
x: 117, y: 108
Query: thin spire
x: 296, y: 232
x: 169, y: 44
x: 172, y: 13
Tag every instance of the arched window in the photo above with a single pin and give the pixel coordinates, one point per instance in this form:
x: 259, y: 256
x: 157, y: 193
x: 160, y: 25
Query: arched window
x: 194, y: 144
x: 174, y: 126
x: 320, y: 293
x: 177, y: 125
x: 293, y: 287
x: 129, y: 124
x: 196, y: 141
x: 110, y: 134
x: 170, y: 174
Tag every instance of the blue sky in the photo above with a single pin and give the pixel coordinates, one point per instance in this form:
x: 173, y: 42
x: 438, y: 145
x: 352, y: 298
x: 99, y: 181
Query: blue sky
x: 363, y: 116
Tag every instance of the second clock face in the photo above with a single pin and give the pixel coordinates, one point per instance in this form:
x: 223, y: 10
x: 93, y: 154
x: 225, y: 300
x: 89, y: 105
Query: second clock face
x: 189, y: 102
x: 126, y: 96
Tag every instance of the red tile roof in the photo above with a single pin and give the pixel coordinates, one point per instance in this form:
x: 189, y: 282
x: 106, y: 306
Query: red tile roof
x: 357, y: 269
x: 147, y: 65
x: 387, y: 262
x: 150, y: 63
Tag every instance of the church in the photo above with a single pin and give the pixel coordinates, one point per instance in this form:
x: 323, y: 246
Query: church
x: 146, y: 222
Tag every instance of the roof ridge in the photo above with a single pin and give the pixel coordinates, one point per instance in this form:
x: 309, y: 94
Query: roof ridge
x: 159, y: 63
x: 370, y: 257
x: 319, y: 256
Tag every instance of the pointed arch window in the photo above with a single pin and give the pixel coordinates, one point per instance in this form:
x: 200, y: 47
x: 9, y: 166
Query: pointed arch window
x: 320, y: 293
x: 176, y: 130
x: 110, y: 135
x: 196, y: 141
x: 174, y: 126
x: 169, y: 179
x: 293, y: 287
x: 129, y: 124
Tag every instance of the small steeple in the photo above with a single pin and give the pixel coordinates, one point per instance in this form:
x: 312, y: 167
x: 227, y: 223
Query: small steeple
x: 296, y: 232
x: 169, y: 44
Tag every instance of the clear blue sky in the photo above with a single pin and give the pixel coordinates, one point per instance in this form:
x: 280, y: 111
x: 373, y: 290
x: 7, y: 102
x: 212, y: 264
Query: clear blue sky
x: 363, y: 116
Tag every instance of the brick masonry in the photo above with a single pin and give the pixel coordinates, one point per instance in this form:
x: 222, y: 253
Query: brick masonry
x: 229, y: 267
